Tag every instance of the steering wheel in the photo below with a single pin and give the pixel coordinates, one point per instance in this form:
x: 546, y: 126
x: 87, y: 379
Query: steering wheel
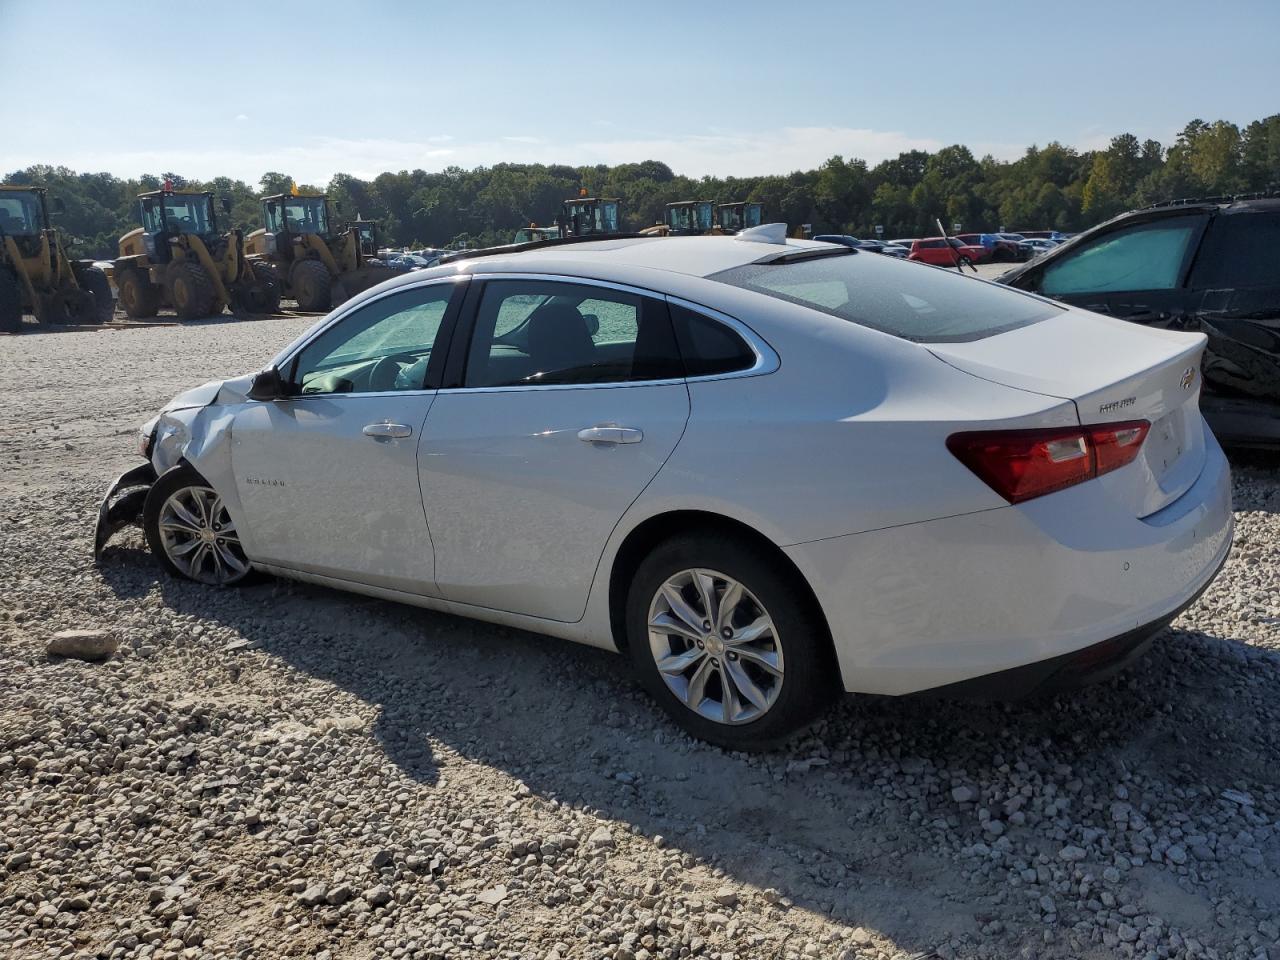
x: 383, y: 375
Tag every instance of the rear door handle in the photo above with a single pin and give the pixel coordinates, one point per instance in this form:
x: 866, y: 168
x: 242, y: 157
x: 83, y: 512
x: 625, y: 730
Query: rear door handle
x: 610, y: 433
x: 395, y: 431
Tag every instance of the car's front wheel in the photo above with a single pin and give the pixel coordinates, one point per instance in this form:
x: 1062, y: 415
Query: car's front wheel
x: 728, y: 642
x: 190, y: 531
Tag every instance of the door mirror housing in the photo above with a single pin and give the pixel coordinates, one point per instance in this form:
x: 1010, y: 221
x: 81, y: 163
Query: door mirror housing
x: 337, y: 205
x: 226, y: 204
x: 268, y: 385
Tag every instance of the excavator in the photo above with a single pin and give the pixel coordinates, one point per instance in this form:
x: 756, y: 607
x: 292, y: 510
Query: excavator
x: 179, y: 259
x: 311, y: 262
x: 36, y: 275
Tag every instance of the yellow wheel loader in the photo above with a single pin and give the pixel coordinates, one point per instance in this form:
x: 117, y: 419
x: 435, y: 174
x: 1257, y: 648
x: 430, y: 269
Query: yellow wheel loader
x: 732, y: 217
x: 685, y: 218
x: 36, y: 276
x: 590, y: 217
x: 313, y: 263
x: 178, y: 259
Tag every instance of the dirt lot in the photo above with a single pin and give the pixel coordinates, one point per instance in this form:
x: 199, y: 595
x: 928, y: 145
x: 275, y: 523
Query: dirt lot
x: 288, y: 771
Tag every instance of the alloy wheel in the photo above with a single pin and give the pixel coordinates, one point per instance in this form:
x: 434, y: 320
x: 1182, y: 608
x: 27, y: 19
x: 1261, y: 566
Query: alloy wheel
x: 715, y: 646
x: 200, y: 538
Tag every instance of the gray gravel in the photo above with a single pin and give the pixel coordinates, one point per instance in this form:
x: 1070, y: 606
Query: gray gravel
x: 283, y: 770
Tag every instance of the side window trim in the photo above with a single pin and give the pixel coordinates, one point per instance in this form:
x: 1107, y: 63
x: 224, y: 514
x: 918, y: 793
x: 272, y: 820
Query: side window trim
x: 767, y: 360
x: 287, y: 359
x: 460, y: 348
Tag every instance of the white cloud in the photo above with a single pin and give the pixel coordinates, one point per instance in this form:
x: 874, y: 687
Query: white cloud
x: 315, y: 160
x: 242, y: 116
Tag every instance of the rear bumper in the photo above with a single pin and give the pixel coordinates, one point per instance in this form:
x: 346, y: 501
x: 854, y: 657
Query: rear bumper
x: 1068, y: 671
x: 933, y: 604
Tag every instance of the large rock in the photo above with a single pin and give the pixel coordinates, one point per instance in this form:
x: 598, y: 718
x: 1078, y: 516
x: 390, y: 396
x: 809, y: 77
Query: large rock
x: 91, y: 645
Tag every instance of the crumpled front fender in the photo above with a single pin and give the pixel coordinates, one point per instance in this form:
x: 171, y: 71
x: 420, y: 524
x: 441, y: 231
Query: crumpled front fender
x: 122, y: 504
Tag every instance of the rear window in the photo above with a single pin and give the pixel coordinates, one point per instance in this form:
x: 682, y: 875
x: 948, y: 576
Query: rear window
x: 907, y: 300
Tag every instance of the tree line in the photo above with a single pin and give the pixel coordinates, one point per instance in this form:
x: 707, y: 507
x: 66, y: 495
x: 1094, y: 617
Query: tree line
x: 1050, y: 187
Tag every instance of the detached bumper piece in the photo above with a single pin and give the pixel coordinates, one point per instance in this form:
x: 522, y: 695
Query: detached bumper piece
x: 123, y: 504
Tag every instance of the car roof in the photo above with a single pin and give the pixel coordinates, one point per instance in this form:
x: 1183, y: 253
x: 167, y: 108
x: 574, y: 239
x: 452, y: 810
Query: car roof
x: 616, y: 259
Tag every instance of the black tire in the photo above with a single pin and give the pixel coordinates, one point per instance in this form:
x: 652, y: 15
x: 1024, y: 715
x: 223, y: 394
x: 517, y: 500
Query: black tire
x: 139, y: 297
x: 267, y: 286
x: 52, y: 308
x: 310, y: 281
x: 174, y: 481
x: 190, y: 290
x: 94, y: 282
x: 10, y: 302
x: 810, y: 676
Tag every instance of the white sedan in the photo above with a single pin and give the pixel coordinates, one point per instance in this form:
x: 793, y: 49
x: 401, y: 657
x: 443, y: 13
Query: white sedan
x: 766, y: 470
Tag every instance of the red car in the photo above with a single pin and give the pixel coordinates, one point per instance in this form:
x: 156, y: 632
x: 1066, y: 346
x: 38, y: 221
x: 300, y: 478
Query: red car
x: 947, y: 252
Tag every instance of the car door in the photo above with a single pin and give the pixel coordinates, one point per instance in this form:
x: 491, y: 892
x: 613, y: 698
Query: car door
x: 569, y: 398
x: 328, y: 475
x: 1136, y: 272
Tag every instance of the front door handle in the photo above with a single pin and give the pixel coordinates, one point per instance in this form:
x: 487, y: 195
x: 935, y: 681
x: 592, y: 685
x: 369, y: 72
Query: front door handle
x: 610, y: 433
x: 380, y: 431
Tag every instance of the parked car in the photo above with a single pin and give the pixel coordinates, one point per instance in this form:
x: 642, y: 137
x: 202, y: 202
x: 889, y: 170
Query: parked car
x: 1040, y: 245
x: 879, y: 246
x: 1211, y: 267
x: 1025, y: 250
x: 828, y: 471
x: 1042, y: 235
x: 843, y: 239
x: 946, y: 252
x: 896, y: 250
x: 999, y: 249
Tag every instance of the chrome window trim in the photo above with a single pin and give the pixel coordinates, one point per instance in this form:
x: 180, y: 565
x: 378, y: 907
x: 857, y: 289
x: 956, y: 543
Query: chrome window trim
x: 766, y: 359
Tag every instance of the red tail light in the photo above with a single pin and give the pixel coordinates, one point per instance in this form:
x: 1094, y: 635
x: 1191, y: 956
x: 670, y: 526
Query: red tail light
x: 1023, y: 464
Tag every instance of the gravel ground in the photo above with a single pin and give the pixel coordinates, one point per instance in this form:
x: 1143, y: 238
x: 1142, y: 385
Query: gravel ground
x: 283, y: 770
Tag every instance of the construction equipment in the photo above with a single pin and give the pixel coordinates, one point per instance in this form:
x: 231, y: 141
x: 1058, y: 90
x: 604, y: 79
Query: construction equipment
x: 533, y: 233
x: 177, y: 258
x: 312, y: 263
x: 367, y: 232
x: 685, y: 218
x: 590, y: 217
x: 35, y: 274
x: 732, y: 217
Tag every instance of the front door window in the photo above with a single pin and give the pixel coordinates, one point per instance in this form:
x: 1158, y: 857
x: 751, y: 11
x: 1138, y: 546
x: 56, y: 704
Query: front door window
x: 1147, y: 256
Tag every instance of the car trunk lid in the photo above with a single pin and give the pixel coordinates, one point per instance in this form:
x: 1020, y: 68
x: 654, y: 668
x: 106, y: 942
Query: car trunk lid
x: 1114, y: 372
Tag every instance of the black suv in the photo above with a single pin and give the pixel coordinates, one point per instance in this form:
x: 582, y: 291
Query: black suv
x: 1211, y: 266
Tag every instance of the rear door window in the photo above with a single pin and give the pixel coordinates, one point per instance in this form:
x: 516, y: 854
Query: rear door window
x: 1240, y: 250
x: 1145, y: 256
x: 903, y: 299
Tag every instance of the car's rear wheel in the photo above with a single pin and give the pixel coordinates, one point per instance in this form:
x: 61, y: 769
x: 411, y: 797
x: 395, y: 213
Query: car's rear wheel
x: 190, y: 531
x: 727, y: 642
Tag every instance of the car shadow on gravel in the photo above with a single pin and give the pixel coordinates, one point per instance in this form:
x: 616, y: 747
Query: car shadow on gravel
x: 855, y: 820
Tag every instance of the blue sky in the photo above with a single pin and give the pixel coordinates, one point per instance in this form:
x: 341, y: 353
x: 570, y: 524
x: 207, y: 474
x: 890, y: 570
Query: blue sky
x: 722, y: 88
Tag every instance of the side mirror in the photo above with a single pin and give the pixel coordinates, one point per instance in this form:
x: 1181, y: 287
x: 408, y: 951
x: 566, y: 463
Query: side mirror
x: 593, y: 323
x: 226, y: 204
x: 337, y: 205
x: 59, y: 206
x: 267, y: 385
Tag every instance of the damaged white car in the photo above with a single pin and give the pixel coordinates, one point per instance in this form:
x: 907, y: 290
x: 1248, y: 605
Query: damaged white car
x: 767, y: 470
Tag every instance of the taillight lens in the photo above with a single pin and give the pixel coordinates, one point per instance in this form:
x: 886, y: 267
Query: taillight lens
x: 1024, y: 464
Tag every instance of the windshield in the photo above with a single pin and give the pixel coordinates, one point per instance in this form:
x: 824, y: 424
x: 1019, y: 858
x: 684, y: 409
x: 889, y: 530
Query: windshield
x: 183, y: 213
x: 20, y: 212
x: 903, y: 299
x: 298, y: 215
